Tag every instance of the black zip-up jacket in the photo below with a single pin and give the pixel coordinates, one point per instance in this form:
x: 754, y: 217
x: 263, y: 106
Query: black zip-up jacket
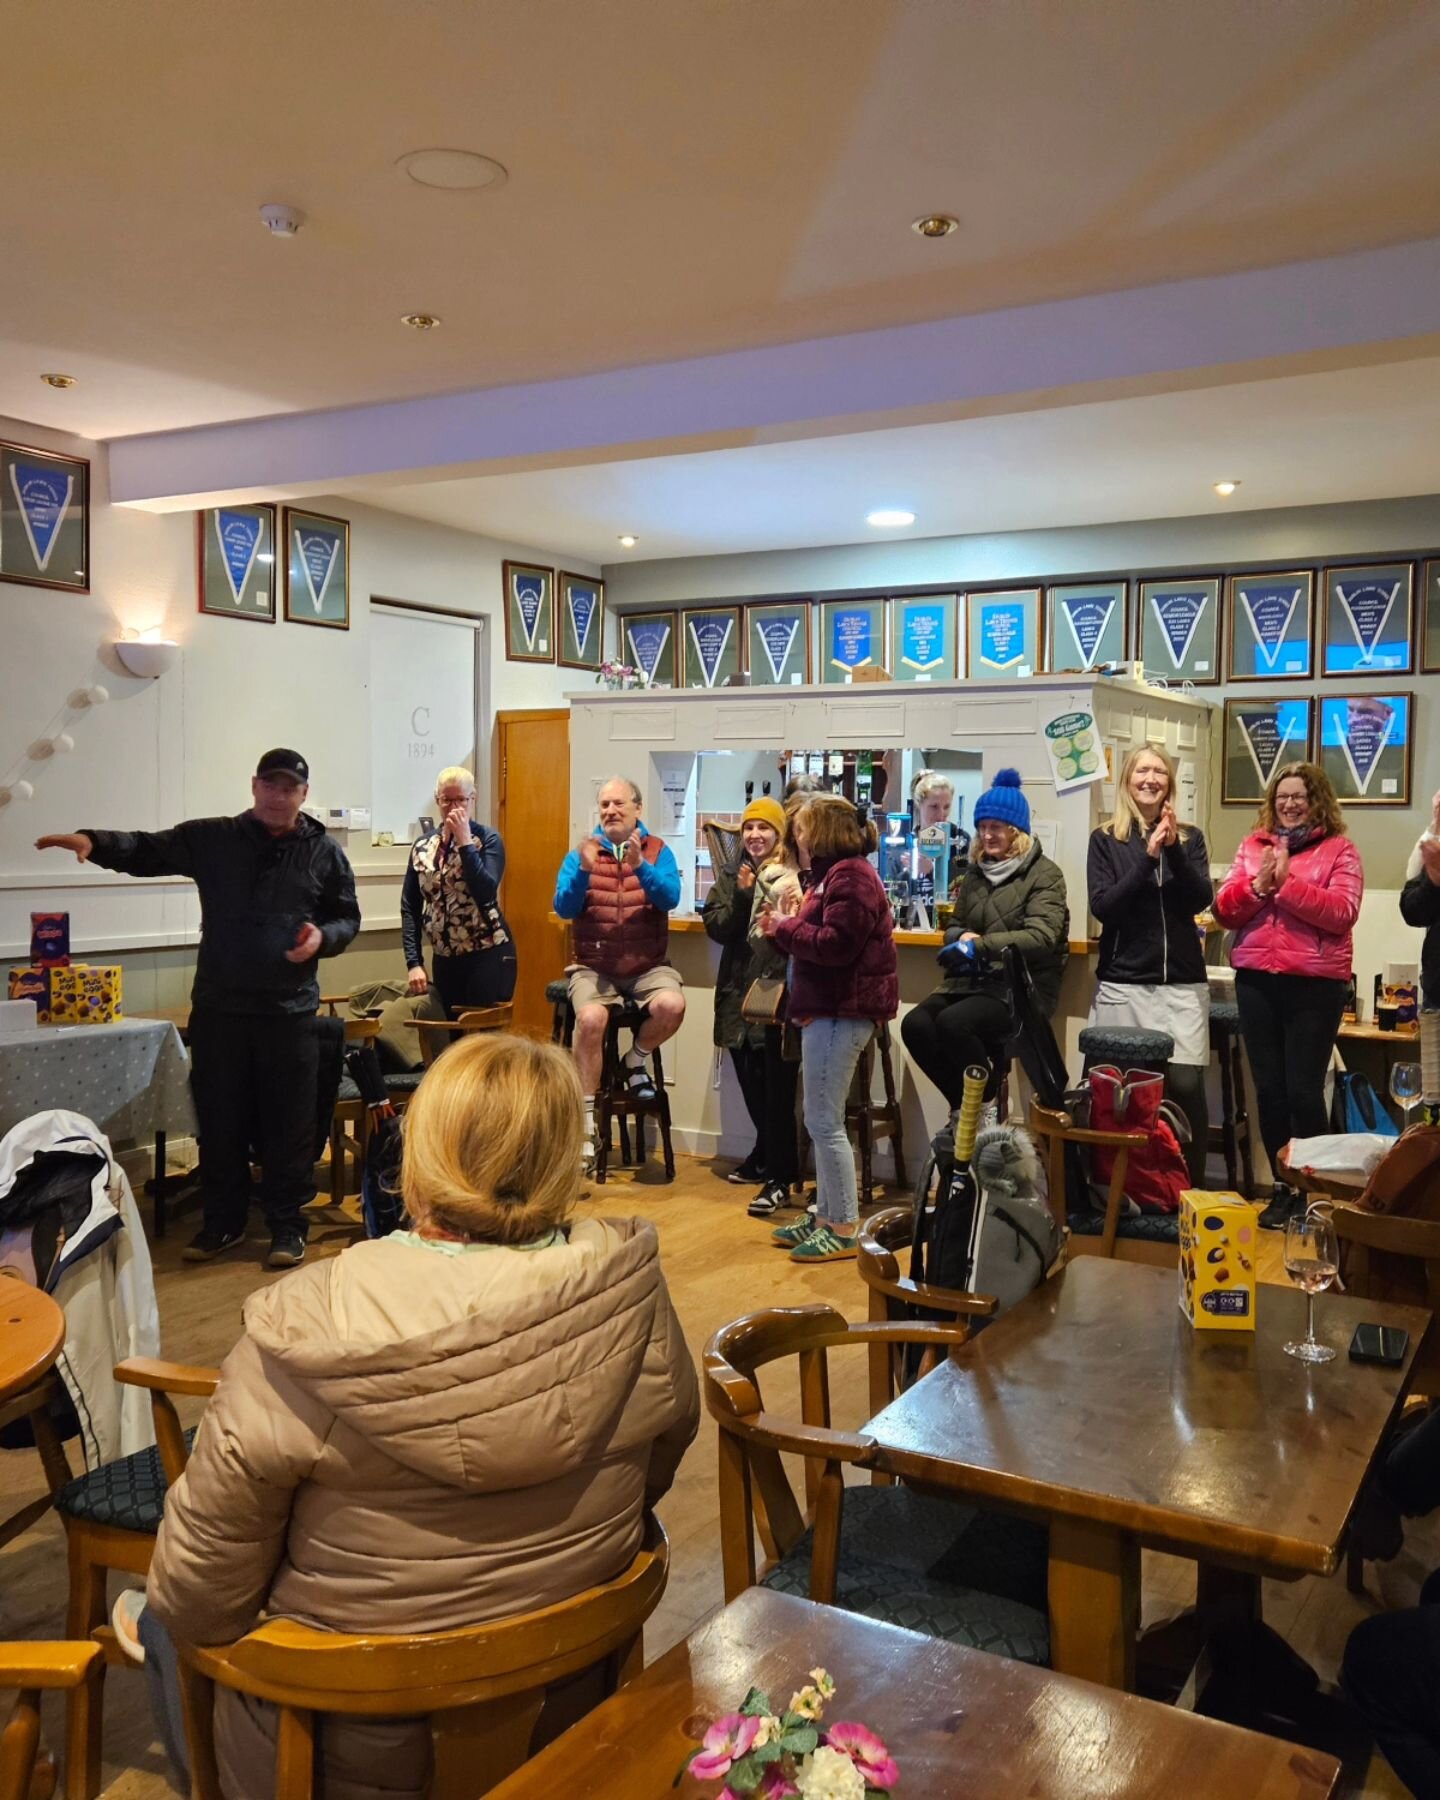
x: 1420, y: 906
x: 1147, y: 906
x: 256, y: 891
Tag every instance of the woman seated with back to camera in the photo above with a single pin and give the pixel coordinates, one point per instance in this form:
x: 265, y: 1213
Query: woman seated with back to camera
x: 459, y: 1422
x: 1011, y: 894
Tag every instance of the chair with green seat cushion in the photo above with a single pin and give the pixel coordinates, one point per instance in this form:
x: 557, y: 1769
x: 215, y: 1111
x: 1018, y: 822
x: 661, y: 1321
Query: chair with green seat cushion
x: 1144, y: 1228
x: 926, y: 1562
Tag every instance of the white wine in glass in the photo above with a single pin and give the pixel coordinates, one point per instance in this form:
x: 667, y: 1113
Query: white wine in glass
x: 1406, y: 1089
x: 1312, y: 1262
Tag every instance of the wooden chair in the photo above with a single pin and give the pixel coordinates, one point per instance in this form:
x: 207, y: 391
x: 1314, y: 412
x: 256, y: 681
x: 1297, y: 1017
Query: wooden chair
x: 35, y: 1405
x: 437, y: 1034
x: 483, y: 1689
x: 32, y: 1668
x: 1390, y: 1256
x: 895, y: 1299
x: 869, y: 1120
x: 111, y: 1515
x: 1127, y: 1239
x: 912, y: 1559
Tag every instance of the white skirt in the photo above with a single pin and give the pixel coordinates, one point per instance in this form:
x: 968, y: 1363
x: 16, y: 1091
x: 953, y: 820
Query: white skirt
x: 1181, y: 1009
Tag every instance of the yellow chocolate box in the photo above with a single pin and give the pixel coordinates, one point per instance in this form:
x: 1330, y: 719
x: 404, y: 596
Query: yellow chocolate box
x: 1218, y: 1237
x: 86, y: 994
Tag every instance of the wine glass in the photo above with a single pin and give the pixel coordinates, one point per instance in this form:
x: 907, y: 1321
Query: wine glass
x: 1312, y: 1262
x: 1406, y: 1087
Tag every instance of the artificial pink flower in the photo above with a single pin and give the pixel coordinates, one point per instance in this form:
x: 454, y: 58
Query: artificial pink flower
x: 726, y: 1741
x: 866, y: 1751
x: 774, y: 1785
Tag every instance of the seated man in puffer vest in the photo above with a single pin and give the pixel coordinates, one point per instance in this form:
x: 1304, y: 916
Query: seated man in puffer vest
x: 618, y: 887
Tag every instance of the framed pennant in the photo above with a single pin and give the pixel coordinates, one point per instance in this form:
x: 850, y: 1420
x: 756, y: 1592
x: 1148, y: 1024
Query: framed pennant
x: 712, y: 646
x: 44, y: 519
x: 1179, y: 634
x: 923, y: 638
x: 317, y: 569
x: 1430, y: 618
x: 1087, y: 625
x: 649, y: 645
x: 778, y: 644
x: 582, y: 621
x: 1003, y: 634
x: 1260, y: 735
x: 235, y: 550
x: 1271, y: 620
x: 529, y: 613
x: 852, y: 637
x: 1367, y: 746
x: 1369, y: 620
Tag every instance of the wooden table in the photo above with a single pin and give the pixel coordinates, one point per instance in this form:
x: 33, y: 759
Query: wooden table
x: 957, y: 1721
x: 1094, y: 1406
x: 32, y: 1330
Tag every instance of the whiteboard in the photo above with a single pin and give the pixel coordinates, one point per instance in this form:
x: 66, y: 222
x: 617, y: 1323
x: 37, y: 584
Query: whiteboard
x: 424, y: 711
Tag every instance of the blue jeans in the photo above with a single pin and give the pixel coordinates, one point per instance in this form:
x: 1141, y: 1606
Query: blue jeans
x: 162, y: 1677
x: 829, y: 1051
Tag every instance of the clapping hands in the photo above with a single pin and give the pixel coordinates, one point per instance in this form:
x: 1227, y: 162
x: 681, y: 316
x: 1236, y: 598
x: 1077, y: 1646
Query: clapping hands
x: 1166, y: 831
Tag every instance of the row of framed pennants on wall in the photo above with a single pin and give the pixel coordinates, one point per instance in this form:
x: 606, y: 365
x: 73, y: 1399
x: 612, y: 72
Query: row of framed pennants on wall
x: 241, y: 572
x: 1364, y: 742
x: 1207, y: 630
x: 553, y: 618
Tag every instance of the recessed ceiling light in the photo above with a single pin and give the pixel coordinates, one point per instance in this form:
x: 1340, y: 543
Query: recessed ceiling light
x: 419, y: 321
x: 456, y: 171
x: 1226, y: 488
x: 889, y: 515
x: 58, y: 381
x: 935, y: 225
x: 628, y: 540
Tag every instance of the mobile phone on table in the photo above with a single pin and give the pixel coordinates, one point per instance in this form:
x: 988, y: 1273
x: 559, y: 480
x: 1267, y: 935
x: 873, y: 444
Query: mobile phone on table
x: 1385, y: 1344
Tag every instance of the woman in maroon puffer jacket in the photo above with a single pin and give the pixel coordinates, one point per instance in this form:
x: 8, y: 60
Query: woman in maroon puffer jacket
x: 843, y: 982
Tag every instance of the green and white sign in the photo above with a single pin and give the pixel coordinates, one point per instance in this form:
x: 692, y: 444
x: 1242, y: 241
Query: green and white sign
x: 1073, y: 745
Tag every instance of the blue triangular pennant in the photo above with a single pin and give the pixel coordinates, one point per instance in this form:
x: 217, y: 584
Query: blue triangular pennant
x: 1270, y: 608
x: 648, y: 638
x: 319, y: 549
x: 1367, y: 605
x: 239, y: 535
x: 1087, y: 616
x: 1178, y: 614
x: 529, y: 595
x: 582, y: 602
x: 42, y: 492
x: 777, y: 638
x: 710, y: 634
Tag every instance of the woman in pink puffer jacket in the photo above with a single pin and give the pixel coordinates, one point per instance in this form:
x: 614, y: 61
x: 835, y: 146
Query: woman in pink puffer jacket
x: 1292, y: 897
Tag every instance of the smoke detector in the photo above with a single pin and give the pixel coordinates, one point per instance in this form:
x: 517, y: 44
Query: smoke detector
x: 281, y: 221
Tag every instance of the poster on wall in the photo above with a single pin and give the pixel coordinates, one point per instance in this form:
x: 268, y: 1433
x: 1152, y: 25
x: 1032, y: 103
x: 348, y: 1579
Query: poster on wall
x: 1271, y: 626
x: 44, y: 519
x: 1366, y: 747
x: 236, y: 554
x: 1180, y: 631
x: 852, y: 637
x: 529, y: 613
x: 1369, y: 620
x: 1003, y: 633
x: 779, y: 643
x: 1430, y: 618
x: 923, y: 638
x: 711, y: 645
x: 1086, y: 626
x: 317, y: 569
x: 1260, y: 735
x: 1073, y: 747
x: 650, y: 647
x: 582, y: 621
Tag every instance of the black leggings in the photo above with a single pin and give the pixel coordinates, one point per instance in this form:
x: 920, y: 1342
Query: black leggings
x: 1289, y: 1024
x: 768, y: 1084
x: 945, y: 1033
x: 476, y: 978
x: 1185, y: 1085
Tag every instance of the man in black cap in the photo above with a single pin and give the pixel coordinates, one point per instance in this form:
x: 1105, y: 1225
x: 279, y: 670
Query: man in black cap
x: 275, y: 894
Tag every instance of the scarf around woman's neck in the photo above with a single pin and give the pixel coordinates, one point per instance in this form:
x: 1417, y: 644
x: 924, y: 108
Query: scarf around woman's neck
x: 1296, y: 837
x: 996, y: 872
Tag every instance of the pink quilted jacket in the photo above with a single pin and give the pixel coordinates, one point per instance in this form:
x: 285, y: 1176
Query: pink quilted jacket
x: 1304, y: 928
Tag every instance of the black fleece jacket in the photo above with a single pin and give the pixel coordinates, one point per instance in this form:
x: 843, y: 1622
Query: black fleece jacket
x: 1420, y: 905
x: 1147, y: 906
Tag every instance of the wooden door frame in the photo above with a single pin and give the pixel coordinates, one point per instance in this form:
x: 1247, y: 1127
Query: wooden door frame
x: 502, y: 719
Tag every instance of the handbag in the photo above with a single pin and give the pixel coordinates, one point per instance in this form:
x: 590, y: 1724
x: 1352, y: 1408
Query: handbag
x: 764, y: 1002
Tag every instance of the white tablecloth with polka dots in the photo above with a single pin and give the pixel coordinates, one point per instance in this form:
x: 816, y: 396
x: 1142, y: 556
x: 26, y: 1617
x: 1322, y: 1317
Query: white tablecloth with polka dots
x: 131, y: 1078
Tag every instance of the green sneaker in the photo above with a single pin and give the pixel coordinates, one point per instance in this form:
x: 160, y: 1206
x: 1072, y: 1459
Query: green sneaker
x: 786, y: 1237
x: 824, y: 1244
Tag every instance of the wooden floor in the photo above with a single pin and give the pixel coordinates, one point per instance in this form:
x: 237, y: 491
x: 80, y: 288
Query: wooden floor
x: 719, y: 1264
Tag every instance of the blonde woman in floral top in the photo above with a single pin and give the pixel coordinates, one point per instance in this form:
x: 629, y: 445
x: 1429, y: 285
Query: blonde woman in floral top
x: 449, y: 902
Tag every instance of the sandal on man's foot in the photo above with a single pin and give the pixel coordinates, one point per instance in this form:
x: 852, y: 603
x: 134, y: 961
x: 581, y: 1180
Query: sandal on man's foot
x: 638, y: 1084
x: 824, y: 1244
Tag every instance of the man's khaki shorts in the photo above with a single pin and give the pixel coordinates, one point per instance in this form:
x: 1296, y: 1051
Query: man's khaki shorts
x: 588, y: 988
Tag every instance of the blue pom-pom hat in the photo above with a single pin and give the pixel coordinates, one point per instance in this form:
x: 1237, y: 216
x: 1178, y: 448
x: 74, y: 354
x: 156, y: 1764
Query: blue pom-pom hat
x: 1004, y: 800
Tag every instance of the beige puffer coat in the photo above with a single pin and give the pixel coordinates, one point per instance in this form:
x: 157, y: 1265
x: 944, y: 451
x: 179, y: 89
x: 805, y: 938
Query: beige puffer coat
x: 410, y: 1438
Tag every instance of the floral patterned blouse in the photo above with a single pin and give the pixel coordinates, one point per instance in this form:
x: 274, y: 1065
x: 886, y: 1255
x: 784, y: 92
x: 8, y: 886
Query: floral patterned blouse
x: 449, y: 896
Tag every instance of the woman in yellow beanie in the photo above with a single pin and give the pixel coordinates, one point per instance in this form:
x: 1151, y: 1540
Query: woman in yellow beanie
x: 766, y: 1080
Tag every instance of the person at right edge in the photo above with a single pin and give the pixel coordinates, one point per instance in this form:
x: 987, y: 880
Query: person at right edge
x: 1292, y: 898
x: 1420, y: 903
x: 1148, y: 876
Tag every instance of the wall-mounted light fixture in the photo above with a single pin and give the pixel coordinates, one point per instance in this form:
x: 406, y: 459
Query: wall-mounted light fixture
x: 148, y: 655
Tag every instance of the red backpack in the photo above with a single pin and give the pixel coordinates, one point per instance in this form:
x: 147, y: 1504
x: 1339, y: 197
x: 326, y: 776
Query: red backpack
x: 1155, y: 1176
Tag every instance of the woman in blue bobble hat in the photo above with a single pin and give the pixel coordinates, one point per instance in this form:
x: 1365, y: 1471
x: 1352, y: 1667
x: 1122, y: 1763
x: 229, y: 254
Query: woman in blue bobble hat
x: 1011, y: 894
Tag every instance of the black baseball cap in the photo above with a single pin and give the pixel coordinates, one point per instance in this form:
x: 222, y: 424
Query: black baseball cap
x: 284, y: 762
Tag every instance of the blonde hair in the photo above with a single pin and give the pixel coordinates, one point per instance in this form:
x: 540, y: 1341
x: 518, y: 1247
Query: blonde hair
x: 461, y: 777
x: 1324, y: 802
x: 928, y: 782
x: 1127, y: 817
x: 492, y: 1140
x: 833, y: 827
x: 1020, y: 842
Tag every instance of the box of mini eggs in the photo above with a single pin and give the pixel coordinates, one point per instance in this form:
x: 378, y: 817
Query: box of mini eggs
x: 86, y: 994
x: 1217, y: 1261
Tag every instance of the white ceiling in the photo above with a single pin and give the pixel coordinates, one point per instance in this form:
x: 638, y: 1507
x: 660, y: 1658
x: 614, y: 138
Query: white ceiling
x: 1352, y: 434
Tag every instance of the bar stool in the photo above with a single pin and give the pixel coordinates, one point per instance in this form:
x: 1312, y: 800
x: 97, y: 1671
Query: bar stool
x: 562, y: 1019
x: 1232, y: 1135
x: 615, y: 1100
x: 1127, y: 1046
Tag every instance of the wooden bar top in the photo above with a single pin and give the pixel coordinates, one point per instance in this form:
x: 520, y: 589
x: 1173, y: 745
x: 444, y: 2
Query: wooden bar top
x: 906, y: 939
x: 957, y: 1721
x: 1093, y: 1399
